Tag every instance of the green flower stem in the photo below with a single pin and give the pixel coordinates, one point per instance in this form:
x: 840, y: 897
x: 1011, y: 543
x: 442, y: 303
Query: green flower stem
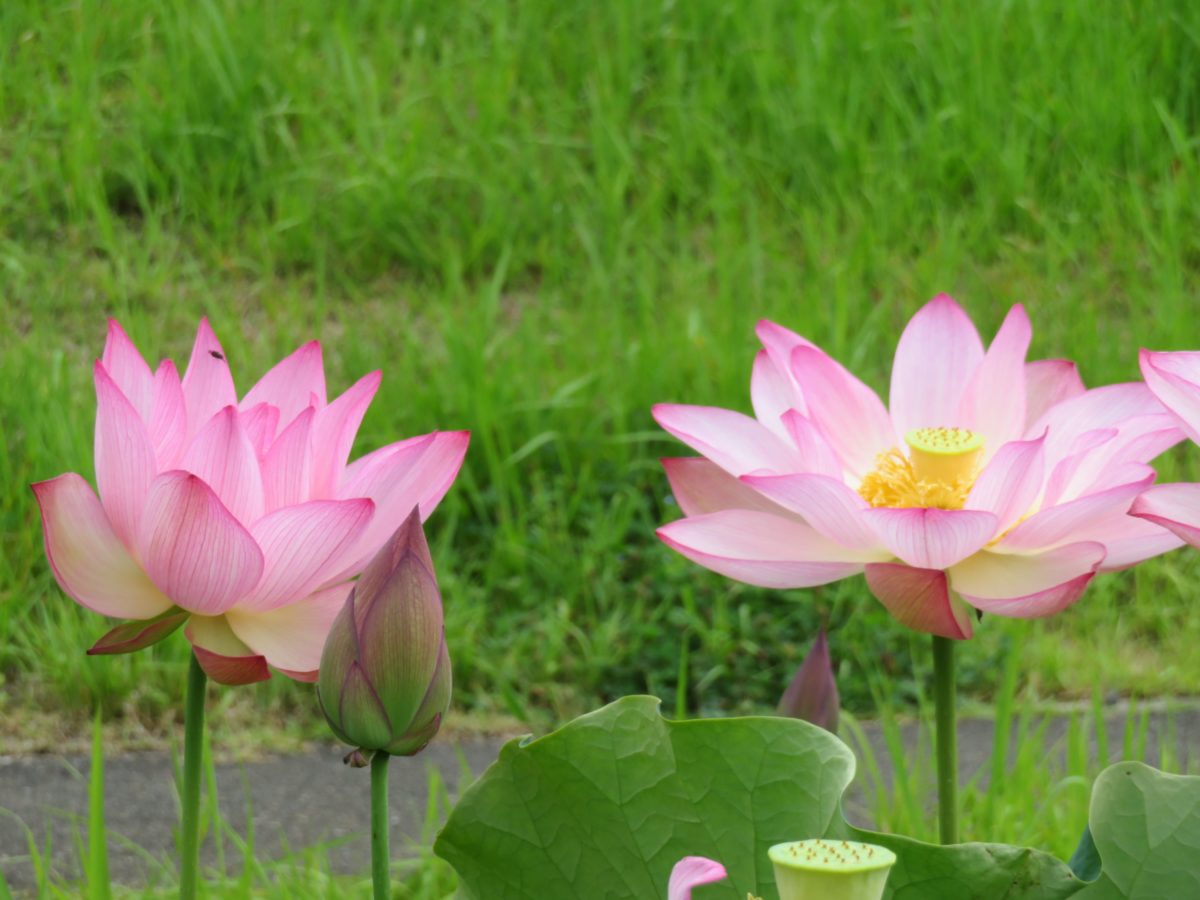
x: 379, y: 825
x: 193, y: 751
x: 947, y: 739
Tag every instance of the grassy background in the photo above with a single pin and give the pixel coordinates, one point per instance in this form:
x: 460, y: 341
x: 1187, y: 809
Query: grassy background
x: 539, y: 218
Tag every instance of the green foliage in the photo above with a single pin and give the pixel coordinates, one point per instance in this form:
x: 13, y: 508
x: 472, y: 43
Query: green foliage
x: 1145, y: 826
x: 606, y: 805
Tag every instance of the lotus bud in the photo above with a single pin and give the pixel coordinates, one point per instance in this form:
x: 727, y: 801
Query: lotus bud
x: 831, y: 870
x: 384, y: 682
x: 813, y: 694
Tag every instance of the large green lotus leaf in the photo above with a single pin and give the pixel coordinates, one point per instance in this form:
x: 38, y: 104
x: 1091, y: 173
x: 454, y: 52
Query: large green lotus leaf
x: 1146, y: 828
x: 603, y: 808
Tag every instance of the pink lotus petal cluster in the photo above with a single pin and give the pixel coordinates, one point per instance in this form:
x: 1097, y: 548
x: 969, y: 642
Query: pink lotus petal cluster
x: 822, y: 483
x: 691, y: 872
x: 244, y: 514
x: 1175, y: 380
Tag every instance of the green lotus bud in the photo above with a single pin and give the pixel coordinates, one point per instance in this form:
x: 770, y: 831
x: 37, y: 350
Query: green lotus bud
x: 831, y: 870
x: 384, y: 683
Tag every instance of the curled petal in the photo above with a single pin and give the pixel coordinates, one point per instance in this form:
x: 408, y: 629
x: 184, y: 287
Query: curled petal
x: 933, y: 538
x: 89, y: 561
x: 691, y: 872
x: 1010, y: 483
x: 1175, y: 380
x: 1099, y: 409
x: 197, y: 553
x: 920, y: 599
x: 735, y: 442
x: 1173, y: 506
x: 125, y: 461
x: 1048, y: 382
x: 1025, y: 585
x: 221, y: 654
x: 772, y: 393
x: 207, y: 384
x: 291, y: 637
x: 1079, y: 519
x: 849, y: 414
x: 701, y: 486
x: 762, y: 549
x: 936, y: 359
x: 291, y: 384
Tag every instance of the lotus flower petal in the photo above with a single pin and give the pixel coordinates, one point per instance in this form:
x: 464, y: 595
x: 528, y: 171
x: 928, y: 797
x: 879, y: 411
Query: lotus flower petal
x: 812, y: 694
x: 772, y: 393
x: 221, y: 653
x: 824, y: 503
x: 1047, y: 382
x: 221, y: 454
x: 89, y: 561
x: 812, y: 447
x: 936, y: 358
x: 125, y: 461
x: 1173, y: 506
x: 197, y: 553
x: 207, y: 384
x: 290, y: 637
x: 762, y: 549
x: 933, y: 538
x: 919, y: 599
x: 1010, y: 483
x: 701, y: 486
x: 334, y: 429
x: 1175, y: 380
x: 691, y: 872
x: 167, y: 425
x: 287, y: 467
x: 994, y: 402
x: 126, y: 367
x: 735, y: 442
x: 292, y: 383
x: 1027, y: 585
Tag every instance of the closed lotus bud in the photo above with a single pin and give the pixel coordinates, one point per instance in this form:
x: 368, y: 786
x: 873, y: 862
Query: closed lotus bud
x: 813, y: 694
x: 384, y: 682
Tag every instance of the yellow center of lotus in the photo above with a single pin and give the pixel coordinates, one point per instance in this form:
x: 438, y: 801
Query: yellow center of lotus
x: 941, y: 466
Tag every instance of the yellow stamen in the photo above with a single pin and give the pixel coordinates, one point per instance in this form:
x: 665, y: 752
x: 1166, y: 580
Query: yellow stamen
x: 939, y: 472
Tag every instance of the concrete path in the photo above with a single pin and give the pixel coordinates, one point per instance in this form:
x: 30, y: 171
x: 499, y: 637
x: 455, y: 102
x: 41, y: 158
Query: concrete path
x: 302, y: 800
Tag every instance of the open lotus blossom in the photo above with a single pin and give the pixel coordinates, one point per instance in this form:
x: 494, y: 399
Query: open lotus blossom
x: 240, y: 517
x: 1175, y: 380
x: 691, y: 872
x: 987, y: 482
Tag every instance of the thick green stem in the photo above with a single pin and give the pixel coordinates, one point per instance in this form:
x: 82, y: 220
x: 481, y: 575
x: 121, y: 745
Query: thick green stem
x: 193, y: 751
x: 947, y: 739
x: 379, y: 826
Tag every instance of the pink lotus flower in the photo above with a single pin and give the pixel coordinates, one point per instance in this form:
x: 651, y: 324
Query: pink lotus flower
x: 241, y: 517
x: 989, y: 482
x: 691, y: 872
x: 1175, y: 380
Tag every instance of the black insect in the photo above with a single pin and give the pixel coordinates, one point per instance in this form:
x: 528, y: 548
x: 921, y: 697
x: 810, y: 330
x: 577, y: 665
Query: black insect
x: 215, y: 355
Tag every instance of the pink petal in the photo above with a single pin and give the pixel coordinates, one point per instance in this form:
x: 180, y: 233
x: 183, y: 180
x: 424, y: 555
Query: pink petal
x: 167, y: 425
x: 223, y: 456
x: 1172, y: 506
x: 124, y: 457
x: 762, y: 549
x: 260, y: 423
x: 1175, y: 380
x: 701, y: 486
x: 994, y: 402
x: 1047, y: 382
x: 735, y: 442
x: 89, y: 560
x: 1100, y: 408
x: 1010, y: 483
x: 126, y: 367
x: 1078, y: 519
x: 207, y: 385
x: 334, y: 430
x: 1027, y: 586
x: 772, y: 393
x: 291, y: 637
x: 1137, y: 440
x: 919, y: 599
x: 1128, y: 541
x: 412, y: 473
x: 848, y: 413
x: 303, y: 547
x: 812, y: 448
x: 690, y: 872
x: 826, y: 504
x: 292, y: 383
x: 193, y: 548
x: 936, y: 359
x: 779, y: 342
x: 222, y: 654
x: 933, y: 538
x: 287, y: 467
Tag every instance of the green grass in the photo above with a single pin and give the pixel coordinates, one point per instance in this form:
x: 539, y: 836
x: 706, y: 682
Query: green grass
x: 541, y: 218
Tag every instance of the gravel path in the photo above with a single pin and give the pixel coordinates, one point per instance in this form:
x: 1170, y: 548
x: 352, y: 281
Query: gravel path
x: 305, y: 799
